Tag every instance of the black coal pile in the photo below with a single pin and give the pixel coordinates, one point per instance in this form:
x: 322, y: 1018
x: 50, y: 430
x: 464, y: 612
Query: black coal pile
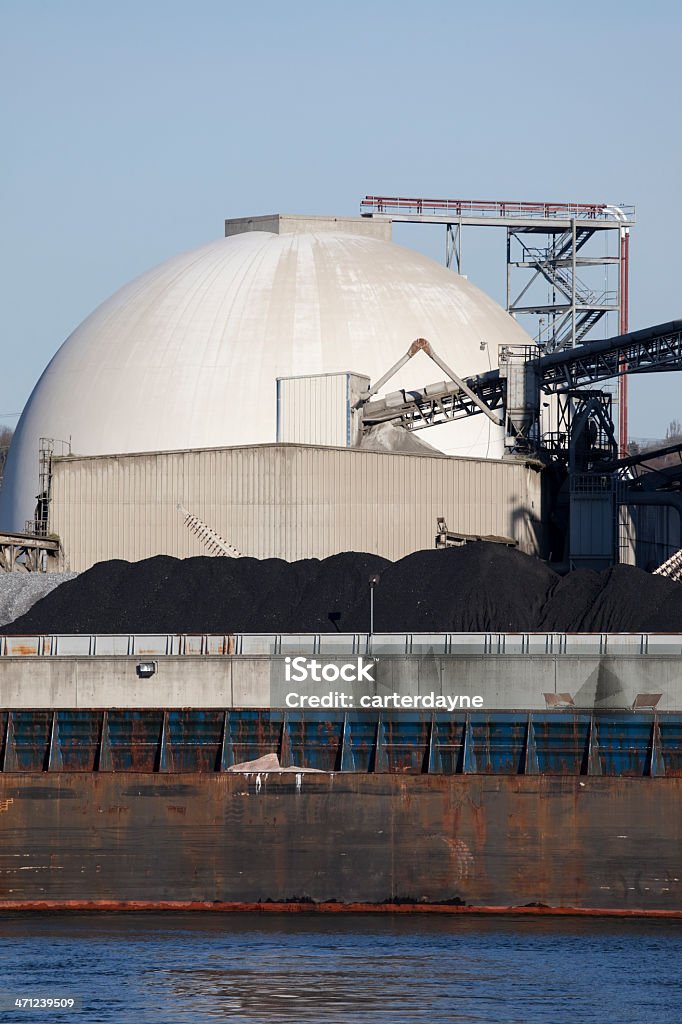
x: 476, y: 588
x: 618, y: 600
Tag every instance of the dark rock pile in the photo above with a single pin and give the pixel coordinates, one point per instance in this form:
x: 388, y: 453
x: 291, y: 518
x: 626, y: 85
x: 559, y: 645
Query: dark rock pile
x: 476, y: 588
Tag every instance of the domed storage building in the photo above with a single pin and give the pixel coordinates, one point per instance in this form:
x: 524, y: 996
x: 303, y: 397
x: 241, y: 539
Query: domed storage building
x: 168, y: 394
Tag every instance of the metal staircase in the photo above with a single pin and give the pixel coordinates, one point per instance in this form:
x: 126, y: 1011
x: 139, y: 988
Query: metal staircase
x: 554, y: 264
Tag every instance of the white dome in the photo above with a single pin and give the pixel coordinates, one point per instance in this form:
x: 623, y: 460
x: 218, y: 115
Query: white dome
x: 186, y: 355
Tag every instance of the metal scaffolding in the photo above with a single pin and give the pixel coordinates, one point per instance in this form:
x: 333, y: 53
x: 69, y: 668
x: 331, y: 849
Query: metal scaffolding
x: 560, y: 282
x: 39, y: 525
x: 549, y: 243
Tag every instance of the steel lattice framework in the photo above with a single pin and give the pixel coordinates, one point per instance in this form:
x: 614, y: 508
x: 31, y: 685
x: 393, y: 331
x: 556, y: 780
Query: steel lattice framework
x: 653, y: 349
x: 547, y: 243
x: 559, y: 284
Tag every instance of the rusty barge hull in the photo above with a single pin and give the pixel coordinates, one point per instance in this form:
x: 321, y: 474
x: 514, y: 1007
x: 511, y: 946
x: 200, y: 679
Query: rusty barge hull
x: 341, y: 841
x: 554, y: 812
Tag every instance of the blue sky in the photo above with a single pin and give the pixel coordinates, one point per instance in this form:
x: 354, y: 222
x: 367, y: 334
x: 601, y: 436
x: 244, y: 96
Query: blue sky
x: 132, y: 129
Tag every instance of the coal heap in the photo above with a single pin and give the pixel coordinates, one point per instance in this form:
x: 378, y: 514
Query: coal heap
x: 480, y: 587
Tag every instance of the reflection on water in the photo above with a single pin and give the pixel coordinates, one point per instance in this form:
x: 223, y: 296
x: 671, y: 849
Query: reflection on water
x: 138, y: 968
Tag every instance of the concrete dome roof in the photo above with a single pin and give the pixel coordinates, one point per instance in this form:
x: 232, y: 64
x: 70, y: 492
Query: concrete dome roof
x: 187, y: 354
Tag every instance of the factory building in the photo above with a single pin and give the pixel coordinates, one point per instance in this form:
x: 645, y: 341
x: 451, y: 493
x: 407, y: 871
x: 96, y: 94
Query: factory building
x: 269, y: 394
x: 285, y: 501
x: 223, y: 386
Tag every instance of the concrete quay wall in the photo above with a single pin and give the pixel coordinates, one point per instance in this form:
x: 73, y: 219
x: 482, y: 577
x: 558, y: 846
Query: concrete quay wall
x: 258, y: 681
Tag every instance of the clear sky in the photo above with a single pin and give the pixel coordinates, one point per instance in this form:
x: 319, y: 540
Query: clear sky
x: 132, y: 128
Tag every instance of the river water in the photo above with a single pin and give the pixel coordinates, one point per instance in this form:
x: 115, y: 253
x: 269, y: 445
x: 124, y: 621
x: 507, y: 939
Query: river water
x: 355, y: 969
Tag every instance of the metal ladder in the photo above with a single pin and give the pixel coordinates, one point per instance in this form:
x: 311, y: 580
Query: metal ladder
x: 215, y: 545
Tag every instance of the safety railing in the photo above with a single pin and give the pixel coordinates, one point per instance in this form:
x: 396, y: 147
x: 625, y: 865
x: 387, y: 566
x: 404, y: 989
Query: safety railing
x: 331, y: 644
x: 496, y: 208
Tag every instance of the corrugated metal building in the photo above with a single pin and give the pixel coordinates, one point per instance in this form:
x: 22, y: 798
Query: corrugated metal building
x: 187, y: 355
x: 320, y: 409
x: 285, y: 500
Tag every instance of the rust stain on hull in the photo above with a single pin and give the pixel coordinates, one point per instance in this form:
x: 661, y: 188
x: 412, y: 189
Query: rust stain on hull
x: 180, y: 906
x: 142, y: 906
x: 337, y: 843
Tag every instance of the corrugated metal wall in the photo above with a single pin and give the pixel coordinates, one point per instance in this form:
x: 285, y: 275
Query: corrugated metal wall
x: 648, y: 535
x: 287, y: 501
x: 318, y: 409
